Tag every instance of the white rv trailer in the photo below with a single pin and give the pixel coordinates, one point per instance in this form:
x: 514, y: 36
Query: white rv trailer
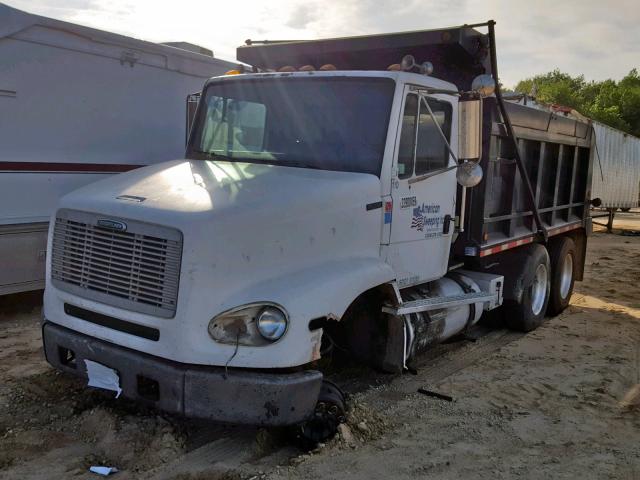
x: 78, y: 104
x: 617, y: 184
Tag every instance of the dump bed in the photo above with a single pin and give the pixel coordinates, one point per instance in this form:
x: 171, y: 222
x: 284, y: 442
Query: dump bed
x: 557, y: 154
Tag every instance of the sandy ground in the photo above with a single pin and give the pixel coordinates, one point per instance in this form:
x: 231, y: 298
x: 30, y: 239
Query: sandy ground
x: 542, y: 405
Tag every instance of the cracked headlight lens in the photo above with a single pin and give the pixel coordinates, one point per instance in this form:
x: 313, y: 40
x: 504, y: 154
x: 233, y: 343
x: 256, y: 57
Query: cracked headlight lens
x: 251, y: 325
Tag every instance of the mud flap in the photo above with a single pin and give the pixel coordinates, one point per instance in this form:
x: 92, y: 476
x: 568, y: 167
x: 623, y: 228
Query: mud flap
x: 394, y: 347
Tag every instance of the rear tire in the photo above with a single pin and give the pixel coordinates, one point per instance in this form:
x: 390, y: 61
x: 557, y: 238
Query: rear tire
x: 527, y: 313
x: 563, y: 267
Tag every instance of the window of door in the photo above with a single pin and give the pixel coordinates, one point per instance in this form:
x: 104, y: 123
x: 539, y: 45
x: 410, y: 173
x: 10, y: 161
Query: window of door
x: 422, y: 149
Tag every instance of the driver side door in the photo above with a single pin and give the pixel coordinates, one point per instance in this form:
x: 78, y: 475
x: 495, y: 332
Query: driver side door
x: 423, y: 189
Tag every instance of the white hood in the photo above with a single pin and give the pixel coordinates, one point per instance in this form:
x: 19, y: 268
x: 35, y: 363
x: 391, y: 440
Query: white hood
x: 250, y: 205
x: 249, y: 231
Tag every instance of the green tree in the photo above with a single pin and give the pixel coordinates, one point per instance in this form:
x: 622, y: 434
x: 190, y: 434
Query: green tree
x: 614, y: 103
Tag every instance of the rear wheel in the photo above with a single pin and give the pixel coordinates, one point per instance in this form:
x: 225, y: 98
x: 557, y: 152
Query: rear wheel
x: 563, y: 261
x: 527, y: 312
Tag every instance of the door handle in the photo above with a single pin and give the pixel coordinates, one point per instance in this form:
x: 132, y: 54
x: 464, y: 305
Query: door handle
x: 445, y: 224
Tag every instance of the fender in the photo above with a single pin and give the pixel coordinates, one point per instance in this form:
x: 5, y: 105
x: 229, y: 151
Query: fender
x: 324, y: 290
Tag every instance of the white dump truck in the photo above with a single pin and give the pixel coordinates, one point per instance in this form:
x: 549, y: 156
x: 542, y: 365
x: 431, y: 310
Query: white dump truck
x: 370, y: 192
x: 77, y: 105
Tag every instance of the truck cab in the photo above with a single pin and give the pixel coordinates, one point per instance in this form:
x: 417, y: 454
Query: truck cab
x: 297, y: 210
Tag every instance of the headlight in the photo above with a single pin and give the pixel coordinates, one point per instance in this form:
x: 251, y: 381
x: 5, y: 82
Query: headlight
x: 252, y: 325
x: 272, y: 323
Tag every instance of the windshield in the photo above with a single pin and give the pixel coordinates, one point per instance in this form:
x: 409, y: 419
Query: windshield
x: 328, y: 123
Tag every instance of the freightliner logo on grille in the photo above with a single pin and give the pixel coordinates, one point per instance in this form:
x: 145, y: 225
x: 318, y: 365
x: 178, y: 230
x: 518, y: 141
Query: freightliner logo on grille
x: 112, y: 224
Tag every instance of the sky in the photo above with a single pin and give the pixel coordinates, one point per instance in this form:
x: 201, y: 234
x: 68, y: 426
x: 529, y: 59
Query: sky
x: 597, y: 38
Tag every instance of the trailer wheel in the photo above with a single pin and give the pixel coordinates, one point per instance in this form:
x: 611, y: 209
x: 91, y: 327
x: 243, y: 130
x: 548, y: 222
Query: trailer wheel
x: 328, y: 414
x: 528, y: 312
x: 563, y: 260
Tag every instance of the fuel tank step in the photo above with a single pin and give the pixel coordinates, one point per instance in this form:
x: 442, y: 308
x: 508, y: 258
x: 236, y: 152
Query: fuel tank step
x: 435, y: 303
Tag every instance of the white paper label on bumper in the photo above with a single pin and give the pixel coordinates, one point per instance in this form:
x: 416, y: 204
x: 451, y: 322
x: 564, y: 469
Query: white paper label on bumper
x: 103, y: 377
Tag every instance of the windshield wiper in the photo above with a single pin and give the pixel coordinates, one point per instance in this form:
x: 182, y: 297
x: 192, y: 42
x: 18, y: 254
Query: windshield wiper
x: 293, y: 163
x: 210, y: 155
x: 282, y: 163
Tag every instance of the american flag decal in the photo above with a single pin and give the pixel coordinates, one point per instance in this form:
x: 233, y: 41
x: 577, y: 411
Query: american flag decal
x: 417, y: 221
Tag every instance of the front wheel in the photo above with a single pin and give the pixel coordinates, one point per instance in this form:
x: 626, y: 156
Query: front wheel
x: 527, y: 313
x: 329, y: 413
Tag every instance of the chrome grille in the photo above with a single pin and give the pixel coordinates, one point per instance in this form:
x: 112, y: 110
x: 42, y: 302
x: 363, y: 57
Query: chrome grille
x: 137, y: 269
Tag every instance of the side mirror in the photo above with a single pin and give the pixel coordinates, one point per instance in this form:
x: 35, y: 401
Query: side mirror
x: 484, y: 85
x: 469, y: 174
x: 469, y: 129
x: 192, y: 105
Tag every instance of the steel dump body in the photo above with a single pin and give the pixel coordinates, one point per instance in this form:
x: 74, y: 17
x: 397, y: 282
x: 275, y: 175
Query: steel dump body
x: 557, y: 154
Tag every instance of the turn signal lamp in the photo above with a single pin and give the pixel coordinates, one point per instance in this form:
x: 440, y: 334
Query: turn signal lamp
x: 426, y: 68
x: 408, y: 62
x: 233, y: 72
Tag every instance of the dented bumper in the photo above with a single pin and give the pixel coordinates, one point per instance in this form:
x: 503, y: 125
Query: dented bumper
x: 235, y: 396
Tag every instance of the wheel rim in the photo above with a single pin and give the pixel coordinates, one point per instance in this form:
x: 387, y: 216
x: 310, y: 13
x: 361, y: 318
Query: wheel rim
x: 566, y: 276
x: 539, y: 289
x: 328, y: 414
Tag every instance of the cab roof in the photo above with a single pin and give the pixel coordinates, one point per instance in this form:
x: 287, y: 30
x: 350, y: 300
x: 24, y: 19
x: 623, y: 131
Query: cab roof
x: 399, y: 77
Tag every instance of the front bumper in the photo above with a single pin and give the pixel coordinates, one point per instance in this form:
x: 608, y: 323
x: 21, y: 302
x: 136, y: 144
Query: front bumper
x: 239, y: 396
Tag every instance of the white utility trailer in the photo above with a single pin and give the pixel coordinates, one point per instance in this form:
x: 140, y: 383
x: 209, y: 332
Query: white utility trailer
x: 78, y: 104
x: 616, y: 182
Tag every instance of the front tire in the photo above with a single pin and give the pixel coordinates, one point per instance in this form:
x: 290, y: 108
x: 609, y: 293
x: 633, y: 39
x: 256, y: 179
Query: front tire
x: 329, y: 413
x: 563, y: 262
x: 527, y: 313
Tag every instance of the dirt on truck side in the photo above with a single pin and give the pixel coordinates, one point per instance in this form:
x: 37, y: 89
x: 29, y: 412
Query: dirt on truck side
x: 545, y: 404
